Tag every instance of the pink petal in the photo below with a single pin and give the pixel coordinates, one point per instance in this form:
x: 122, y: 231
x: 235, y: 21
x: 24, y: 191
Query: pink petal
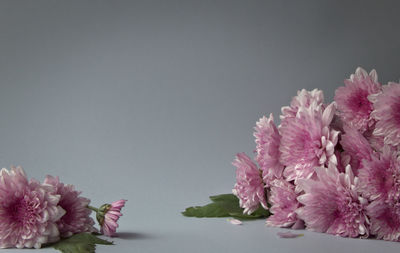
x: 235, y: 221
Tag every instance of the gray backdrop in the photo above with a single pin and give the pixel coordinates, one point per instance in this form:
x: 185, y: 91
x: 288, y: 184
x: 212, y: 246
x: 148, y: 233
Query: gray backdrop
x: 150, y: 101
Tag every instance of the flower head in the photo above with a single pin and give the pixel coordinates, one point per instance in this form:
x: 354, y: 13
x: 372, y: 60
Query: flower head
x: 283, y: 204
x: 352, y: 99
x: 249, y: 187
x: 380, y: 175
x: 308, y: 141
x: 304, y: 99
x: 108, y: 215
x: 380, y: 181
x: 28, y: 211
x: 385, y: 217
x: 77, y: 218
x: 268, y: 140
x: 332, y: 204
x: 387, y: 113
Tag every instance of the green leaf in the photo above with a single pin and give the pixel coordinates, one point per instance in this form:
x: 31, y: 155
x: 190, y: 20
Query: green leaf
x: 261, y: 212
x: 224, y: 198
x: 79, y: 243
x: 224, y: 205
x: 210, y: 210
x: 231, y: 203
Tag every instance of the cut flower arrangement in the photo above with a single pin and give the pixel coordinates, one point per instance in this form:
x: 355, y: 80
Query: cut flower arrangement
x: 328, y: 167
x: 51, y: 214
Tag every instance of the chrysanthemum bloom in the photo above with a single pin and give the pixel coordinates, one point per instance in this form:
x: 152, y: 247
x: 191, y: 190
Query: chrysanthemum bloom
x: 384, y: 214
x: 332, y: 204
x: 356, y: 146
x: 108, y: 215
x: 380, y: 175
x: 28, y: 211
x: 249, y: 187
x: 303, y: 99
x: 387, y: 113
x: 308, y: 141
x: 352, y: 99
x: 283, y: 200
x: 268, y: 140
x: 77, y: 218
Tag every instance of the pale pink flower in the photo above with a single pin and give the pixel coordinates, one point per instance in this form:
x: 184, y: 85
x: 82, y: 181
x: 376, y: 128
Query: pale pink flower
x: 283, y: 200
x: 108, y: 217
x: 352, y: 99
x: 380, y: 174
x: 249, y: 187
x: 356, y: 146
x: 28, y: 211
x: 268, y: 140
x: 308, y: 141
x: 332, y: 204
x: 77, y: 218
x: 387, y: 113
x: 304, y: 99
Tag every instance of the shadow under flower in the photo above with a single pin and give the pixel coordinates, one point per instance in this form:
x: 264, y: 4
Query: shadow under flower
x: 132, y: 236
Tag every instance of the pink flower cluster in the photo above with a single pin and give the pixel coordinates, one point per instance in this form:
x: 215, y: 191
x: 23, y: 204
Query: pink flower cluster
x: 331, y: 168
x: 34, y: 213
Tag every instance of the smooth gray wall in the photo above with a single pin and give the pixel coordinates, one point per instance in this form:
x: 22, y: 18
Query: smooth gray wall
x: 150, y: 100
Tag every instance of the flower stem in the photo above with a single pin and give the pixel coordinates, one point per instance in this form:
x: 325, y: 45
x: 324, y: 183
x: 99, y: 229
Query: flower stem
x: 93, y: 209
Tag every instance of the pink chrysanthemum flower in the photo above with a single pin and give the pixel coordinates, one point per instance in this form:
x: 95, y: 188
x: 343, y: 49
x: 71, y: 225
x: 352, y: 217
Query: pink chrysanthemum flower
x: 352, y: 99
x: 283, y: 200
x: 384, y: 214
x: 303, y: 99
x: 356, y: 146
x: 332, y: 204
x: 387, y: 113
x: 108, y: 216
x: 28, y: 211
x: 308, y: 141
x: 268, y: 140
x: 380, y: 175
x: 249, y: 187
x: 77, y: 218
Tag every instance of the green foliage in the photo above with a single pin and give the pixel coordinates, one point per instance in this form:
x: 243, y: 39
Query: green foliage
x: 224, y: 205
x: 79, y: 243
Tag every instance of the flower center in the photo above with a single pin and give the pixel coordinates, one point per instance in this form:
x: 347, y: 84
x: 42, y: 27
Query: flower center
x: 350, y: 211
x: 359, y: 102
x: 21, y: 211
